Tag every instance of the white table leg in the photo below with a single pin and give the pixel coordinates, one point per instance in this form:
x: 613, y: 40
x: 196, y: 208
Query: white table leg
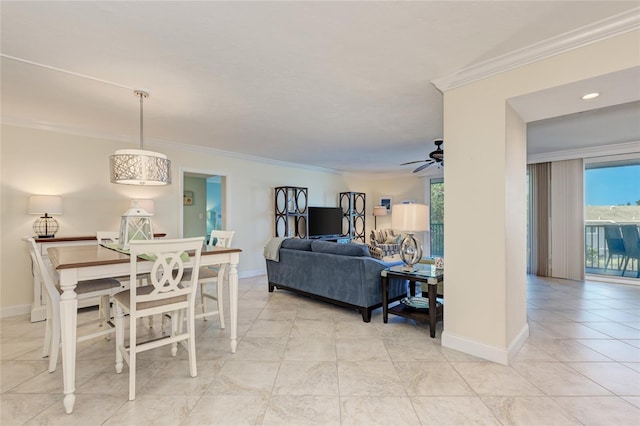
x: 233, y: 300
x: 68, y: 333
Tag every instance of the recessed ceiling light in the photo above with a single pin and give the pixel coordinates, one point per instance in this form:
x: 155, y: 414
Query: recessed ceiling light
x: 590, y: 96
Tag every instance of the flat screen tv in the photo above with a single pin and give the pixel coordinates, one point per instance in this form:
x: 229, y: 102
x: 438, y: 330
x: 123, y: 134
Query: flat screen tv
x: 325, y: 221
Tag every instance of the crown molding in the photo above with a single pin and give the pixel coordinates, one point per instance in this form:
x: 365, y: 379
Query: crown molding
x: 591, y: 152
x: 28, y: 124
x: 591, y: 33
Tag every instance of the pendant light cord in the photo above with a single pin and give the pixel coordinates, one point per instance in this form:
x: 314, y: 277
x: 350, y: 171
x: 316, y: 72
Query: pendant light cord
x: 141, y: 94
x: 141, y: 121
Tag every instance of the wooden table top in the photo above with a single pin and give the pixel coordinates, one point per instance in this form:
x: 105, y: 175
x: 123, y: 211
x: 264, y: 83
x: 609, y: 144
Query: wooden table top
x: 67, y: 257
x: 80, y: 238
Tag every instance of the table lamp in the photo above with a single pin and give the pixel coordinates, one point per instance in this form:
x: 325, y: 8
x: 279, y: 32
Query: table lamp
x: 410, y: 218
x: 378, y: 211
x: 45, y: 226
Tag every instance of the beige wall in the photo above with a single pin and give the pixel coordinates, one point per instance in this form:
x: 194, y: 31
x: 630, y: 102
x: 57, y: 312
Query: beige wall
x: 77, y: 168
x: 411, y: 188
x: 486, y: 311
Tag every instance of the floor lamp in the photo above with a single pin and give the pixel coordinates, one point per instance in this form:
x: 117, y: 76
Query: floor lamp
x: 378, y: 211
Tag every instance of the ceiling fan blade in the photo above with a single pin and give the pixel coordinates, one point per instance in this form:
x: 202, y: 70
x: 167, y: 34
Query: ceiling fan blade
x: 424, y: 166
x: 413, y: 162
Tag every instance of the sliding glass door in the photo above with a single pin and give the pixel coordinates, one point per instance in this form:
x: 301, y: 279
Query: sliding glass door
x: 612, y: 217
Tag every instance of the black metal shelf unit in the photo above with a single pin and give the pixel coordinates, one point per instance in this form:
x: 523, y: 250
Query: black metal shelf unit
x: 291, y: 211
x: 353, y: 206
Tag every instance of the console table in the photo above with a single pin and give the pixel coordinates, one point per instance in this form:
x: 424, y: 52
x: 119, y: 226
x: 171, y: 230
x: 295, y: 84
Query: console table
x: 422, y: 273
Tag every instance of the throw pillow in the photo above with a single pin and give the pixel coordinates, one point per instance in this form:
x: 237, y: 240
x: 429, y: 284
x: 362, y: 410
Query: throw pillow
x: 392, y: 239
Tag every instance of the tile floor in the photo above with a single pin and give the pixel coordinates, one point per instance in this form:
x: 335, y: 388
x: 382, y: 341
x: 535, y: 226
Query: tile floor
x: 301, y: 362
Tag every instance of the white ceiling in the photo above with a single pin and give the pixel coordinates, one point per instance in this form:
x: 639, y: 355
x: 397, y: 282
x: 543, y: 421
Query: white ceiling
x: 338, y: 85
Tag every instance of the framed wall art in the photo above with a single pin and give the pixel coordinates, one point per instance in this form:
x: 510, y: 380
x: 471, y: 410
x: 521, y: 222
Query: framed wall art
x: 386, y: 201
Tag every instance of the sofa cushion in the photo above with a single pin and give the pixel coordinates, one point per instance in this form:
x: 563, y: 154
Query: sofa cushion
x: 357, y: 250
x: 296, y: 244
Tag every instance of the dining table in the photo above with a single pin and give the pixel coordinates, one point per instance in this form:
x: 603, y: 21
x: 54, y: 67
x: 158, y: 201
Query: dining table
x: 78, y: 263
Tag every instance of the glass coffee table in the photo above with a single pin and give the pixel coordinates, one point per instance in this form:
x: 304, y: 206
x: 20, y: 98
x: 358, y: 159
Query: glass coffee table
x: 412, y: 307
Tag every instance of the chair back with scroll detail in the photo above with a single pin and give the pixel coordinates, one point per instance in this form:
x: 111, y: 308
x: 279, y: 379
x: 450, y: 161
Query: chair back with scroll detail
x: 168, y: 292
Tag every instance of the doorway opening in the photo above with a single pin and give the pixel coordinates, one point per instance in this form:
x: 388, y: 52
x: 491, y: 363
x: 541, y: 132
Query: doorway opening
x: 203, y: 203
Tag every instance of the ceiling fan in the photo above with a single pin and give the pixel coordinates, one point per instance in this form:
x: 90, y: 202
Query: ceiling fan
x: 435, y: 157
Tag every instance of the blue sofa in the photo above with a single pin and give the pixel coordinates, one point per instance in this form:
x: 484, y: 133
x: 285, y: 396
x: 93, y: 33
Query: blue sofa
x: 342, y: 274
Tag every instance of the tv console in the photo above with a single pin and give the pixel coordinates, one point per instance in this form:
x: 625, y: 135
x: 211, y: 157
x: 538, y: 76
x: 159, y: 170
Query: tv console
x: 334, y: 238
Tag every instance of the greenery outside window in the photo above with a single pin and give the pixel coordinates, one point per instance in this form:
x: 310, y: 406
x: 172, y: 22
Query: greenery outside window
x: 436, y: 212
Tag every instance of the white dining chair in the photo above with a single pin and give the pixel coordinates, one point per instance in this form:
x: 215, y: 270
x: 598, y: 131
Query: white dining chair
x: 168, y: 292
x: 102, y: 288
x: 111, y: 237
x: 107, y: 237
x: 214, y: 275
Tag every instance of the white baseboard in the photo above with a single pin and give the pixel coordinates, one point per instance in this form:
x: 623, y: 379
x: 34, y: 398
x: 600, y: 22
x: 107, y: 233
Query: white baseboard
x: 517, y: 343
x: 14, y: 311
x: 484, y: 351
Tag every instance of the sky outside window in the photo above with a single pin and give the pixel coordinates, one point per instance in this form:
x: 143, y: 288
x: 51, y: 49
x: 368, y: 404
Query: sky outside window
x: 612, y: 186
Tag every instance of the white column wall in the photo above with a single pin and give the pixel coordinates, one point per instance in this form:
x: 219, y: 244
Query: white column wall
x: 485, y: 311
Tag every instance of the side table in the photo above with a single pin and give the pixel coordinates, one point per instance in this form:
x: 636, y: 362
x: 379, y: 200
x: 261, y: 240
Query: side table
x: 423, y: 273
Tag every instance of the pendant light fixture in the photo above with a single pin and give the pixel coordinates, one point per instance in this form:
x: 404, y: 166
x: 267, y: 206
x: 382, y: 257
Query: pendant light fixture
x: 137, y: 166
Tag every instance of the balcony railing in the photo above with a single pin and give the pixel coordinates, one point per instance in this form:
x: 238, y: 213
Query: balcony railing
x: 597, y: 253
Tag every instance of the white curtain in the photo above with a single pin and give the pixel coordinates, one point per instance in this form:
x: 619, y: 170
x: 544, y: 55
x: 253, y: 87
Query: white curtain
x: 567, y: 219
